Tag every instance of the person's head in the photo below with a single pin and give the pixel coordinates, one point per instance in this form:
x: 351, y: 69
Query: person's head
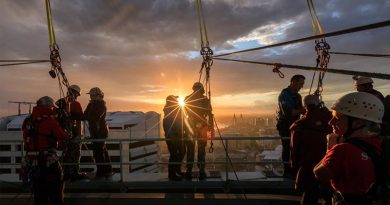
x: 45, y: 101
x: 311, y: 101
x: 297, y: 82
x: 74, y: 91
x: 171, y: 100
x: 96, y: 94
x: 357, y: 111
x: 198, y: 87
x: 363, y: 83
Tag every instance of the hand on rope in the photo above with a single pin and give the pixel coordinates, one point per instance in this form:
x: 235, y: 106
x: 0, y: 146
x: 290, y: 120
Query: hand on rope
x: 276, y: 69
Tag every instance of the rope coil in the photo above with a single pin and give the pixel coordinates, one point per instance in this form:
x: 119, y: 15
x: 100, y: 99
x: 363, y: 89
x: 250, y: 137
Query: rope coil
x: 276, y: 69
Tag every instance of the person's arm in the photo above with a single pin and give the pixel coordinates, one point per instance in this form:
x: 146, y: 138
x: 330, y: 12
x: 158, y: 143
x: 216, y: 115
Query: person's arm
x: 58, y: 131
x: 322, y: 173
x: 298, y: 111
x: 332, y: 164
x: 296, y: 147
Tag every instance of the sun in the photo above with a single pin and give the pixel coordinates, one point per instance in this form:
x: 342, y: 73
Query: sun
x: 181, y: 102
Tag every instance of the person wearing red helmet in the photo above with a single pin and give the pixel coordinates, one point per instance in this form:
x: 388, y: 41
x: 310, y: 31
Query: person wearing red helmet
x: 48, y: 185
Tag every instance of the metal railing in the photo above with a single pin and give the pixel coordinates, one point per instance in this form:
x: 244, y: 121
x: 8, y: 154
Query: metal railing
x: 124, y: 153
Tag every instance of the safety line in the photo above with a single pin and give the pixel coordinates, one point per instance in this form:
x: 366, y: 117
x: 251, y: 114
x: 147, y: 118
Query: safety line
x: 314, y: 19
x: 50, y: 27
x: 202, y: 24
x: 24, y: 63
x: 362, y: 54
x: 335, y: 33
x: 13, y: 61
x: 330, y: 70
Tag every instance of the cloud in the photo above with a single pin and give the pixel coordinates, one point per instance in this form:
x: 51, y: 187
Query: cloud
x: 126, y: 46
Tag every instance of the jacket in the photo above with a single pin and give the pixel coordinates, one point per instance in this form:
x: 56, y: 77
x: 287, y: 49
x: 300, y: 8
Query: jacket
x: 308, y: 145
x: 49, y: 130
x: 95, y: 114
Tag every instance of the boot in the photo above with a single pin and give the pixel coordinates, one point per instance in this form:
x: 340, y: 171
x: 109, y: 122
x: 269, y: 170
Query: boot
x: 174, y: 178
x: 172, y: 174
x: 202, y: 175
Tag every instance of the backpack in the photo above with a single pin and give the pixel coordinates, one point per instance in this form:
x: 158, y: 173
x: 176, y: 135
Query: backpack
x: 380, y: 191
x: 30, y: 133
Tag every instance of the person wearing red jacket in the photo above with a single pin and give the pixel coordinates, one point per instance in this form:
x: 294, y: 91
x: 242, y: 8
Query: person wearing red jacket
x: 95, y: 114
x: 356, y: 117
x: 308, y: 146
x: 47, y: 180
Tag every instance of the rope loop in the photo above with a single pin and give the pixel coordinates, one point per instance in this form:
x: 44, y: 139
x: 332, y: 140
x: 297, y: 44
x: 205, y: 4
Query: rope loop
x: 276, y: 69
x: 322, y: 61
x: 55, y: 57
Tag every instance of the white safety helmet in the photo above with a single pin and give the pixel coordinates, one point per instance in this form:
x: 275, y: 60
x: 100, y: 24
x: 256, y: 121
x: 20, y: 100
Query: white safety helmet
x: 95, y: 91
x: 75, y: 88
x: 360, y: 80
x: 45, y: 101
x: 311, y: 100
x: 360, y: 105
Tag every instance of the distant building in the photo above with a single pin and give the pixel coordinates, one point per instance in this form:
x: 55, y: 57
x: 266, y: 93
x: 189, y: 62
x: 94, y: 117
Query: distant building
x: 122, y: 126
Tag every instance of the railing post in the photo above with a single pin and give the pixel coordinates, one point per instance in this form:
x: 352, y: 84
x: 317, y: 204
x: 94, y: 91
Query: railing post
x: 121, y: 159
x: 227, y: 159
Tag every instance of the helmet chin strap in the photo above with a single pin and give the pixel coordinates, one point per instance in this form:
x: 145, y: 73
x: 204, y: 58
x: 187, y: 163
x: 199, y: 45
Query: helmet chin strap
x: 351, y: 130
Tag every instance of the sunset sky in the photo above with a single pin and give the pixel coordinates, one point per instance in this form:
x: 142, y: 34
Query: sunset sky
x: 140, y: 51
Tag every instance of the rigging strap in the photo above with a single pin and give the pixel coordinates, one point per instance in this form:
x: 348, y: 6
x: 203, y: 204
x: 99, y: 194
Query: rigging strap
x: 314, y: 18
x: 207, y: 54
x: 55, y: 58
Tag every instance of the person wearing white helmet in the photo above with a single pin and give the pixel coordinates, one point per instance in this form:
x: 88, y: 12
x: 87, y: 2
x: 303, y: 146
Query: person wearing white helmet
x: 364, y: 84
x: 70, y: 115
x: 198, y: 108
x: 348, y: 167
x: 95, y: 114
x: 308, y: 147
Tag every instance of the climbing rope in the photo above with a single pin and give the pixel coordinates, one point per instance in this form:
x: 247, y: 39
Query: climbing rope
x: 21, y: 62
x: 321, y: 48
x: 361, y: 54
x: 207, y: 54
x: 55, y: 58
x: 315, y: 22
x: 322, y: 64
x: 329, y: 70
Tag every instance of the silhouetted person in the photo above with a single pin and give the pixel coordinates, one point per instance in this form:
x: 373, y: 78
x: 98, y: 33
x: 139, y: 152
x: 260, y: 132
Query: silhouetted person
x: 74, y: 114
x: 308, y: 147
x: 364, y: 84
x: 48, y: 184
x: 289, y: 110
x: 95, y: 113
x: 173, y: 125
x: 198, y: 109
